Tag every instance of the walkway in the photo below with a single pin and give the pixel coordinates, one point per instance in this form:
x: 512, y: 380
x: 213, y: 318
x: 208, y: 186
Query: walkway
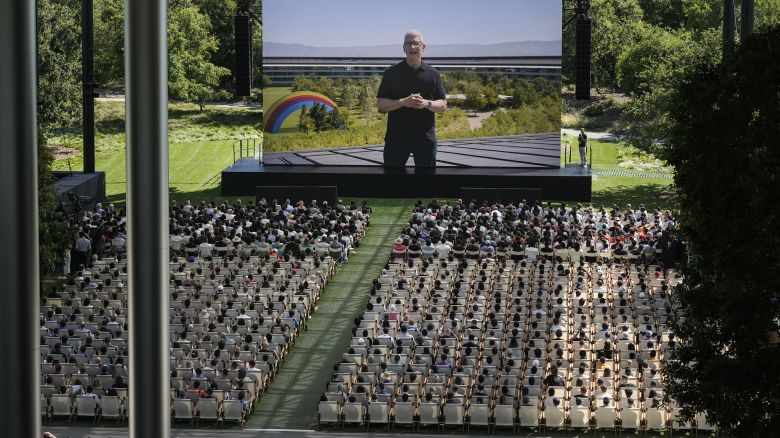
x: 631, y: 173
x: 606, y: 136
x: 291, y: 400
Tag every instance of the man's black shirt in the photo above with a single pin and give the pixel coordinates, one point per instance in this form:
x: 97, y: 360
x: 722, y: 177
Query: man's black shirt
x: 409, y: 124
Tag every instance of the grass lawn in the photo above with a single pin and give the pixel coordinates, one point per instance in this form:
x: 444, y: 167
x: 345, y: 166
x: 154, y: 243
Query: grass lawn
x: 621, y: 190
x: 200, y: 146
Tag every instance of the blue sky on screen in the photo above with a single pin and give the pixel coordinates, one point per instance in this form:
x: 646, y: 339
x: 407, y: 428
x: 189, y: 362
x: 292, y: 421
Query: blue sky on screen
x: 339, y: 23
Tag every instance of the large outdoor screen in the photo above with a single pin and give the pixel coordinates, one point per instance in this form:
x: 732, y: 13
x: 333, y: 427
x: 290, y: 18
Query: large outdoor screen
x: 494, y: 64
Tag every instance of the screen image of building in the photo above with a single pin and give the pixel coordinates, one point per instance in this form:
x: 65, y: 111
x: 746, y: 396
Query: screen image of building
x: 282, y: 71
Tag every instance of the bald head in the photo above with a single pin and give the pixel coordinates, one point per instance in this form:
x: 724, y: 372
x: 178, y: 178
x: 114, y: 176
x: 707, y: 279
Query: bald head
x: 414, y: 46
x: 413, y: 35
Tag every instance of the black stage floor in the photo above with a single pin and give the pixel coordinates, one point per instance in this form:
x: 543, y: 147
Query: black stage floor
x: 513, y: 162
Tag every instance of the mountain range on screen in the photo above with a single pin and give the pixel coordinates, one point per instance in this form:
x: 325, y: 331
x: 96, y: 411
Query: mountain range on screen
x: 518, y: 48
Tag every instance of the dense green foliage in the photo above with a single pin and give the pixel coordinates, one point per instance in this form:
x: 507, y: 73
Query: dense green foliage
x: 201, y: 47
x: 482, y: 92
x: 640, y: 47
x: 346, y: 92
x: 724, y: 143
x: 186, y: 123
x: 519, y: 106
x: 621, y: 26
x: 59, y: 62
x: 318, y: 119
x: 192, y: 77
x: 59, y: 96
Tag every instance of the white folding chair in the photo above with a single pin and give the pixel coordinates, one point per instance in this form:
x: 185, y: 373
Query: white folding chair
x: 353, y: 413
x: 479, y: 415
x: 208, y: 409
x: 61, y: 405
x: 528, y: 416
x: 453, y: 414
x: 183, y: 409
x: 233, y: 411
x: 553, y: 417
x: 701, y: 422
x: 429, y: 414
x: 110, y: 407
x: 504, y: 416
x: 579, y: 417
x: 404, y: 413
x: 44, y: 407
x: 86, y: 406
x: 677, y: 424
x: 629, y: 418
x: 655, y: 419
x: 328, y: 412
x: 605, y: 418
x: 379, y: 413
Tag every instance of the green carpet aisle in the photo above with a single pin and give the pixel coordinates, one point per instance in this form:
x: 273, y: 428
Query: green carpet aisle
x: 291, y: 400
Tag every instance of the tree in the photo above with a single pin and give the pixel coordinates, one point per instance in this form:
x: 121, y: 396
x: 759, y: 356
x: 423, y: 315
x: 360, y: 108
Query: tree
x: 616, y: 25
x: 109, y: 31
x: 522, y: 93
x: 304, y: 83
x: 366, y: 99
x: 491, y: 97
x: 192, y: 76
x: 349, y: 95
x: 651, y: 69
x: 221, y: 15
x: 663, y: 13
x: 321, y: 119
x: 724, y: 146
x: 474, y: 100
x: 59, y: 96
x: 59, y: 63
x: 257, y: 52
x: 303, y: 120
x: 656, y: 58
x: 53, y: 235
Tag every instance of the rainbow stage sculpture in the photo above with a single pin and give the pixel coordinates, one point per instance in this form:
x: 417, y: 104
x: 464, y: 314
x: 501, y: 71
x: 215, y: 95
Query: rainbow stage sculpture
x: 284, y: 107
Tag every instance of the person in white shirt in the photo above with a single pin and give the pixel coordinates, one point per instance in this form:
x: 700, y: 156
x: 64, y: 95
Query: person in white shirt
x: 205, y: 249
x: 443, y: 249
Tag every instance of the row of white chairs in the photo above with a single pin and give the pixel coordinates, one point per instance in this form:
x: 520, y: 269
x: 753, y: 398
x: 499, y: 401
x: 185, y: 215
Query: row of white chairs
x: 439, y: 415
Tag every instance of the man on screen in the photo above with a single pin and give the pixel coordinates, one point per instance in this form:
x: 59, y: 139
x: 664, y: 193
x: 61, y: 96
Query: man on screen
x: 411, y: 92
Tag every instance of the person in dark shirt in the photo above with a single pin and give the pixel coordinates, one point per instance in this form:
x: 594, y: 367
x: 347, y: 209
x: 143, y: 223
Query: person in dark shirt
x: 582, y: 140
x: 411, y: 92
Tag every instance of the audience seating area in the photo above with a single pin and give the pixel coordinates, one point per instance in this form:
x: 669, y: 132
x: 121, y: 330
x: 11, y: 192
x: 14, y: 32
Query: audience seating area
x: 242, y: 288
x: 495, y: 316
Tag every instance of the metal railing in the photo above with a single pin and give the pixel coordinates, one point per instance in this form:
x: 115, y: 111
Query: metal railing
x: 247, y: 148
x: 567, y: 155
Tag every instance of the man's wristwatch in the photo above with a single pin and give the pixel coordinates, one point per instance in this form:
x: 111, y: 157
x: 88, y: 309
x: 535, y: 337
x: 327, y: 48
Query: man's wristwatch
x: 429, y: 104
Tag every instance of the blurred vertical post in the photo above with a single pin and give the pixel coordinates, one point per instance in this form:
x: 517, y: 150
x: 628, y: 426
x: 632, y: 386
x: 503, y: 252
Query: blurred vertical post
x: 20, y: 350
x: 729, y: 25
x: 748, y: 17
x: 146, y: 76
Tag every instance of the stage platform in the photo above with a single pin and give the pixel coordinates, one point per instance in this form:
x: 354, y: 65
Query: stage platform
x: 513, y: 162
x: 89, y: 187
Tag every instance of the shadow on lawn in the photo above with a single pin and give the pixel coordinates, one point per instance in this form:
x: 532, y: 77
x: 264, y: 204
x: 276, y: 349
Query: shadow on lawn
x: 218, y: 117
x: 650, y: 195
x: 211, y: 194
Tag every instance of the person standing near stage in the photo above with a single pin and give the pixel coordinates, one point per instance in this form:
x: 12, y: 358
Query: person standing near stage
x: 583, y: 142
x: 83, y: 248
x: 411, y: 92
